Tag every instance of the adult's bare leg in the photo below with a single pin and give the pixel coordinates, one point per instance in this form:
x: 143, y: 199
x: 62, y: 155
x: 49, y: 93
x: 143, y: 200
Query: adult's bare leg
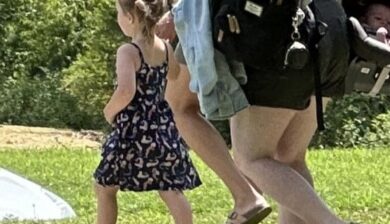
x: 292, y: 150
x: 208, y: 144
x: 256, y: 132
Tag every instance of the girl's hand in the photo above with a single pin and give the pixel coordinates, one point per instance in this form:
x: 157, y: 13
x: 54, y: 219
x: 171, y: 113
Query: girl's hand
x: 165, y: 28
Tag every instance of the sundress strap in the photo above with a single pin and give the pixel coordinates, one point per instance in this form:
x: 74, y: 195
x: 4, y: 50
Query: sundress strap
x: 166, y: 52
x: 142, y: 56
x: 139, y: 52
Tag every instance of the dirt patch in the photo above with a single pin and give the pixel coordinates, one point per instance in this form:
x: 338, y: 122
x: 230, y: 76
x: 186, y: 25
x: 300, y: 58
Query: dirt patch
x: 12, y: 136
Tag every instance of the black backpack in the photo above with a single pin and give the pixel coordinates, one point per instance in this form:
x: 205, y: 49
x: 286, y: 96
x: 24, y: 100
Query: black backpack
x: 265, y: 31
x: 267, y: 37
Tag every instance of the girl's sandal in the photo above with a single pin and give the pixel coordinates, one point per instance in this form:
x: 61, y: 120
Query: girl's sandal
x: 253, y: 216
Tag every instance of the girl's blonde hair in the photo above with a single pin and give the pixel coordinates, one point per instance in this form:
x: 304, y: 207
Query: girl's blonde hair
x: 148, y: 12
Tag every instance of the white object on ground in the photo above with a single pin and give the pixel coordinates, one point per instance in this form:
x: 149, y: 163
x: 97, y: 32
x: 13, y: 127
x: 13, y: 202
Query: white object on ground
x: 21, y: 199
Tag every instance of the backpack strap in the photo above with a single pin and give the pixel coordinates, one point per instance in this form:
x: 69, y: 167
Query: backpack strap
x: 318, y: 93
x: 319, y: 31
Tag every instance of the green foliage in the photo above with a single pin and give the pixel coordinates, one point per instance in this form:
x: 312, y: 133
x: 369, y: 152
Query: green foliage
x: 90, y: 81
x: 356, y: 120
x: 38, y: 102
x: 355, y: 183
x: 90, y: 77
x: 381, y: 127
x: 74, y: 39
x: 40, y: 37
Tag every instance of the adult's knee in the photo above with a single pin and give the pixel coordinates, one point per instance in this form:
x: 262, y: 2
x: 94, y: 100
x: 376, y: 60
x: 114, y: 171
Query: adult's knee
x: 289, y: 153
x: 291, y: 158
x: 246, y: 163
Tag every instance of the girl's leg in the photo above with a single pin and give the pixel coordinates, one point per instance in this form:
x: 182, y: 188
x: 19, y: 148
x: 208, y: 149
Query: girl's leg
x: 178, y: 206
x: 107, y: 208
x: 256, y: 132
x: 209, y: 145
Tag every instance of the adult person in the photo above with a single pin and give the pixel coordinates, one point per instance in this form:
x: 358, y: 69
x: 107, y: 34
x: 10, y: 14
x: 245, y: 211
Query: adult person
x: 208, y: 144
x: 270, y: 137
x: 277, y: 179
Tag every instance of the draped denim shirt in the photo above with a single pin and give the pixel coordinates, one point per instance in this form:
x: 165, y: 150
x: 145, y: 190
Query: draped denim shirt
x: 213, y: 78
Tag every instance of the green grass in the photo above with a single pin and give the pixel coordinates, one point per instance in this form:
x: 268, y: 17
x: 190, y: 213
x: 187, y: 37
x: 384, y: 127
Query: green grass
x: 355, y: 183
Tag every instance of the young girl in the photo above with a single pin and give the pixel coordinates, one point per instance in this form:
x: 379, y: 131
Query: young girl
x: 144, y: 151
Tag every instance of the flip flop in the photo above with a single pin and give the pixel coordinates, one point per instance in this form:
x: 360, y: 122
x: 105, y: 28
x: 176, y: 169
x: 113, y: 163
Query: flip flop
x: 253, y: 216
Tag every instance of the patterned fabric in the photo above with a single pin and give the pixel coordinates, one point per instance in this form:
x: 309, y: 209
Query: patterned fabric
x: 145, y: 151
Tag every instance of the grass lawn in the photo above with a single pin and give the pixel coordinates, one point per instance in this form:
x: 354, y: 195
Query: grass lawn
x: 355, y: 183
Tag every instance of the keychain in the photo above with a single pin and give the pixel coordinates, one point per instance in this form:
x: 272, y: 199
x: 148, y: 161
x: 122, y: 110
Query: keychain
x: 297, y: 54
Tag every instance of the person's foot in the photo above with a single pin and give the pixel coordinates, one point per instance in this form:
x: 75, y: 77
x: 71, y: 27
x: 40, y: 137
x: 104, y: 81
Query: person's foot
x: 250, y: 207
x: 253, y: 213
x: 253, y: 216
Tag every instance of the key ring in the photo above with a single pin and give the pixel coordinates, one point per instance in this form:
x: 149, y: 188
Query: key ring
x: 296, y: 21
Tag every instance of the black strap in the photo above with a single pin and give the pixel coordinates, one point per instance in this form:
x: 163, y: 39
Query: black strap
x: 318, y: 93
x: 139, y: 52
x: 317, y: 73
x: 142, y: 56
x: 166, y: 52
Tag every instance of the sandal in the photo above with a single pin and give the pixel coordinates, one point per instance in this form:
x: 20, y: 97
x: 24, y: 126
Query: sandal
x: 253, y: 216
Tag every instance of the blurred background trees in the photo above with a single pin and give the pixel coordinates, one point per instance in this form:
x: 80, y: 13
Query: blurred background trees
x: 57, y: 61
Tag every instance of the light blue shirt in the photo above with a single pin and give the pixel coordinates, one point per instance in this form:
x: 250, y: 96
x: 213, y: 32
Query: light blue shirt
x: 215, y: 79
x: 193, y: 27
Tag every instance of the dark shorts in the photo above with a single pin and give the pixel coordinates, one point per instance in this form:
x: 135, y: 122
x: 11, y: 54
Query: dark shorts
x: 286, y: 88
